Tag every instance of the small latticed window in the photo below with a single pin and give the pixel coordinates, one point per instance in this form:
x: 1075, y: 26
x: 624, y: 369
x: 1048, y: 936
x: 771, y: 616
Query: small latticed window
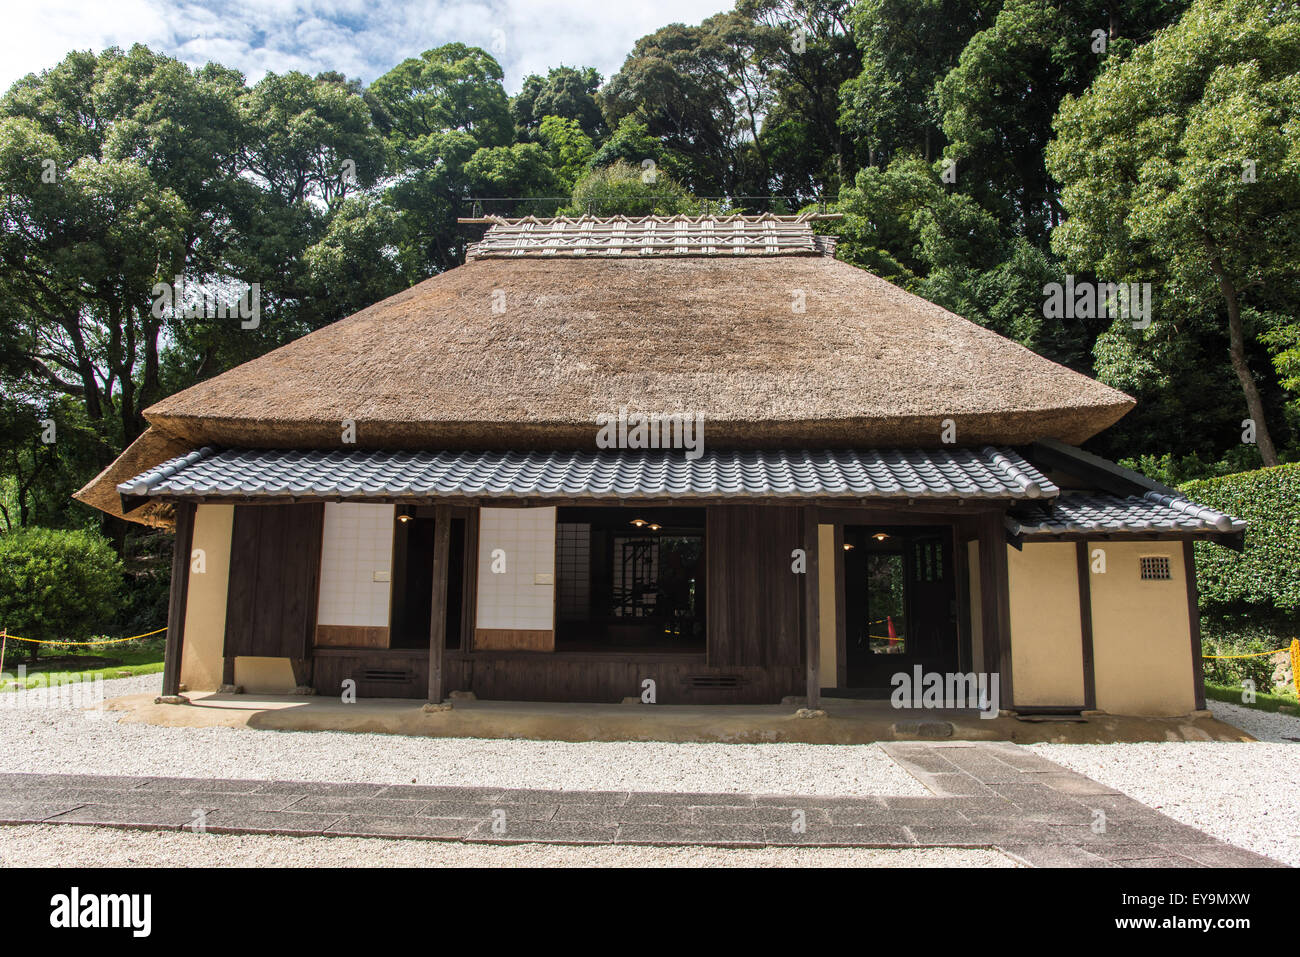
x: 1155, y: 568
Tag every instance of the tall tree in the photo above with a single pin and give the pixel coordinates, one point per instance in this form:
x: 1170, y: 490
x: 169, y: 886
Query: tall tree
x: 566, y: 92
x: 907, y: 48
x: 1181, y: 166
x: 997, y: 103
x: 443, y: 107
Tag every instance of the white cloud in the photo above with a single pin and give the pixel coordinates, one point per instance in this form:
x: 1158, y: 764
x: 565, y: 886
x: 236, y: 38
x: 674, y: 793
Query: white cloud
x: 361, y: 38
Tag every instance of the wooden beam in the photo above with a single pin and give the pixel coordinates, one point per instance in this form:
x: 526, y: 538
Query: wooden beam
x: 469, y: 603
x: 960, y: 563
x: 841, y: 612
x: 1084, y: 573
x: 1194, y: 620
x: 438, y: 619
x: 180, y: 587
x: 995, y: 603
x: 812, y: 608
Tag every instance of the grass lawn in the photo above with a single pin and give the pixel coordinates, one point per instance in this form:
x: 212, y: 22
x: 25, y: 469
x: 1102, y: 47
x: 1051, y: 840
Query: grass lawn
x: 111, y: 661
x: 1263, y: 701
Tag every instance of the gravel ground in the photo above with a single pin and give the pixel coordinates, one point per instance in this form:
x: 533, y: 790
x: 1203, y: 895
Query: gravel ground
x: 1247, y: 794
x: 65, y: 741
x: 63, y: 845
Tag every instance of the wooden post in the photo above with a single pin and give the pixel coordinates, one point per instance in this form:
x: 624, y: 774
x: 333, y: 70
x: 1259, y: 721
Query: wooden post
x: 812, y: 609
x: 995, y: 603
x: 438, y: 620
x: 1085, y: 626
x: 180, y: 588
x: 1194, y: 620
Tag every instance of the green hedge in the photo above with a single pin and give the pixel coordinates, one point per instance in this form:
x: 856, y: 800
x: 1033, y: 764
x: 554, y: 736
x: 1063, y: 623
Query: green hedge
x: 1264, y: 580
x: 57, y: 585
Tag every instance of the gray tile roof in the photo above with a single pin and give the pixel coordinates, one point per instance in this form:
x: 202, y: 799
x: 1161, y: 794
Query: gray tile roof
x: 1100, y: 513
x: 987, y: 473
x: 621, y: 236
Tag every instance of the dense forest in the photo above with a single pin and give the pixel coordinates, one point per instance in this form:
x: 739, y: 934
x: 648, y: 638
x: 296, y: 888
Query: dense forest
x: 981, y: 151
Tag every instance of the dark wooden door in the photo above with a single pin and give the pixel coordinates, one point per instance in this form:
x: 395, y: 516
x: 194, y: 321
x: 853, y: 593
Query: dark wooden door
x: 900, y: 603
x: 274, y: 580
x: 753, y: 595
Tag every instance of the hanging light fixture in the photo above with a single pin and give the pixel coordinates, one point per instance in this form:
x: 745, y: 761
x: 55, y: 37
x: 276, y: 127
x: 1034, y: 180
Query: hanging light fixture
x: 881, y: 536
x: 638, y: 522
x: 403, y: 518
x: 848, y: 547
x: 654, y: 528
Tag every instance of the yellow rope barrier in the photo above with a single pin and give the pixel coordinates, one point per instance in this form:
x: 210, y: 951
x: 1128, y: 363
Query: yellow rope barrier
x: 107, y: 641
x: 1257, y: 654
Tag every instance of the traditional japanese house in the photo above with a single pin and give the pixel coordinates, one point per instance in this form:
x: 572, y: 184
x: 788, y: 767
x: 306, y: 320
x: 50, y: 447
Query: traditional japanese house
x: 699, y: 452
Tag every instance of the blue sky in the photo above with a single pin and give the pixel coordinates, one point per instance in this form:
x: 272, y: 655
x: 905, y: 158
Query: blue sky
x: 362, y: 38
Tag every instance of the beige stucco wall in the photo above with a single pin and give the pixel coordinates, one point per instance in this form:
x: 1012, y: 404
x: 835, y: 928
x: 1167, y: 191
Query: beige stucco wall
x: 826, y: 604
x: 1141, y: 633
x: 205, y: 606
x: 1046, y: 633
x: 265, y: 675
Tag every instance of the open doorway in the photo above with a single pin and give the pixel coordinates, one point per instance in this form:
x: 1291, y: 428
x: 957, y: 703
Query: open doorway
x: 900, y: 602
x: 412, y: 578
x: 630, y: 580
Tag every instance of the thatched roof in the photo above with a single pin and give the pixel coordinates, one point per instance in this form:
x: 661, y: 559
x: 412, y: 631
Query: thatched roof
x: 435, y: 367
x: 144, y: 453
x: 523, y: 348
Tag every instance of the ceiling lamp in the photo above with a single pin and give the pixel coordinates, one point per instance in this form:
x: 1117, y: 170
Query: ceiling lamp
x: 654, y: 528
x: 638, y: 522
x: 403, y: 518
x: 848, y: 547
x: 880, y: 536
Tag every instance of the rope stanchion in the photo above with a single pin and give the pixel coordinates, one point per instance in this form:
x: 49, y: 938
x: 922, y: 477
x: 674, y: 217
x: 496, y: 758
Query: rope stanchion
x: 106, y: 641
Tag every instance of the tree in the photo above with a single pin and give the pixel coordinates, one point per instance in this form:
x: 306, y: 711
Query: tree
x: 566, y: 92
x: 1182, y: 164
x: 441, y: 107
x: 679, y: 82
x: 571, y: 150
x: 800, y: 52
x: 907, y: 47
x: 998, y: 102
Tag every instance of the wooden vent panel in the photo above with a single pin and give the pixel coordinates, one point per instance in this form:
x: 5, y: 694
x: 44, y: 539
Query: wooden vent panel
x: 714, y: 681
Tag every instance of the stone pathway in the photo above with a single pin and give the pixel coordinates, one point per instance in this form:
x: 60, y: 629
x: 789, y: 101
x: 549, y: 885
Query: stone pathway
x: 986, y: 795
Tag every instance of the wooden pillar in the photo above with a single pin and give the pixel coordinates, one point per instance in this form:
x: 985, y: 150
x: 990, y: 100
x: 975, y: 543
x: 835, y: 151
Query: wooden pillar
x: 1194, y: 620
x: 1085, y: 626
x: 811, y: 607
x: 180, y: 587
x: 438, y: 619
x: 995, y: 603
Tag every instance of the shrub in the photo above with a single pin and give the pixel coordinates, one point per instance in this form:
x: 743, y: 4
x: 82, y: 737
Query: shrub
x: 1264, y: 580
x: 622, y: 189
x: 1220, y: 639
x: 58, y: 585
